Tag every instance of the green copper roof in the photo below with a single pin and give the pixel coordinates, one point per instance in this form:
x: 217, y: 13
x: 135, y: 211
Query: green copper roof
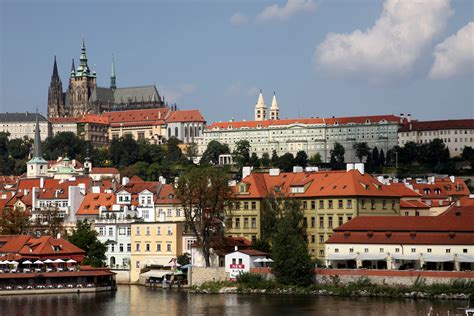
x: 37, y: 160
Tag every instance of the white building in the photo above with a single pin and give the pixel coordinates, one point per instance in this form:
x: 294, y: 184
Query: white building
x: 115, y: 233
x: 241, y: 261
x: 313, y: 135
x: 444, y: 242
x: 63, y: 124
x: 456, y: 134
x: 21, y: 125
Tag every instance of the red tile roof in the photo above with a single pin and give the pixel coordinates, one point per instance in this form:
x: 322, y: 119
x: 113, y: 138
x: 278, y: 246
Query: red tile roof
x: 63, y: 120
x: 437, y: 125
x: 403, y: 190
x: 167, y: 195
x: 104, y: 170
x: 309, y: 121
x: 184, y: 116
x: 322, y: 183
x: 413, y: 204
x: 137, y: 117
x: 94, y: 118
x: 441, y: 188
x: 253, y: 252
x: 93, y: 201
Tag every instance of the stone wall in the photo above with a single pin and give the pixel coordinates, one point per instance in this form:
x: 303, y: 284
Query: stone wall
x: 199, y: 275
x: 122, y: 276
x: 390, y: 277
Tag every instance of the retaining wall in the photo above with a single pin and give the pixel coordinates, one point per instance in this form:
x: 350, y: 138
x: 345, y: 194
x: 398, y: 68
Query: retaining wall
x: 199, y: 275
x: 122, y: 276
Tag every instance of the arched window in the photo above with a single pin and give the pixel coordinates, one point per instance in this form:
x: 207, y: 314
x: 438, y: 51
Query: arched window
x: 169, y: 132
x: 185, y: 131
x: 191, y: 131
x: 176, y: 131
x: 196, y: 131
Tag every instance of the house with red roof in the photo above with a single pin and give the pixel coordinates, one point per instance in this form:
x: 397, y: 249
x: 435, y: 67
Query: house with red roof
x: 443, y: 242
x: 328, y: 199
x: 185, y: 125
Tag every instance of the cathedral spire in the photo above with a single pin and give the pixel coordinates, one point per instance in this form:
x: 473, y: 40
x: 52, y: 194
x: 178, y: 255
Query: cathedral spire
x: 274, y: 109
x: 113, y: 84
x: 73, y: 69
x: 55, y: 70
x: 37, y: 145
x: 83, y: 69
x: 260, y: 108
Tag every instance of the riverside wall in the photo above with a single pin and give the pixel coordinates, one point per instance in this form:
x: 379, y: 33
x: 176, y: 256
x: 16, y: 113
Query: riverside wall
x: 199, y: 275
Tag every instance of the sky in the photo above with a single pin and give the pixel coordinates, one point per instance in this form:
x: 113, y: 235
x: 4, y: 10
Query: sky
x: 321, y: 57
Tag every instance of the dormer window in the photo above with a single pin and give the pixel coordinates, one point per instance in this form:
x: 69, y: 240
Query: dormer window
x: 56, y: 248
x: 243, y: 188
x: 297, y: 189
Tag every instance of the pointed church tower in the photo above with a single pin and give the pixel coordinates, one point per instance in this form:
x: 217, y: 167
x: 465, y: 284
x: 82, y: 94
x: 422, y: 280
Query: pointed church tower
x: 260, y: 108
x: 37, y: 167
x: 274, y: 109
x: 113, y: 84
x: 55, y: 94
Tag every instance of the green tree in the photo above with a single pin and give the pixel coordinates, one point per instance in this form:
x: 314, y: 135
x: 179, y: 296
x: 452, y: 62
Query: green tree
x: 184, y: 259
x: 241, y: 153
x: 265, y: 160
x: 254, y: 161
x: 262, y: 245
x: 65, y: 144
x: 19, y: 148
x: 213, y: 151
x: 382, y: 158
x: 84, y: 237
x: 292, y: 263
x: 337, y: 157
x: 124, y: 151
x: 204, y: 194
x: 361, y: 150
x: 274, y: 158
x: 286, y: 162
x: 315, y: 159
x: 174, y: 153
x: 407, y: 154
x: 192, y: 151
x: 375, y: 157
x: 14, y: 221
x: 301, y: 159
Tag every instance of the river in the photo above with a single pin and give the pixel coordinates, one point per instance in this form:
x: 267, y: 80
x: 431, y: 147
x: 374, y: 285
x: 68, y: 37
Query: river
x: 138, y: 300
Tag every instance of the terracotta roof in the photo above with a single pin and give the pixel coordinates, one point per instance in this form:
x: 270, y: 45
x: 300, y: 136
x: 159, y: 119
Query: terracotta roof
x: 63, y: 120
x: 413, y: 204
x: 437, y: 125
x: 253, y: 252
x: 43, y: 246
x: 322, y: 183
x: 94, y: 118
x: 137, y: 117
x: 441, y: 188
x: 64, y: 274
x: 97, y: 170
x: 167, y: 195
x: 136, y: 178
x: 184, y: 116
x: 93, y: 201
x: 137, y: 187
x: 403, y: 190
x: 309, y: 121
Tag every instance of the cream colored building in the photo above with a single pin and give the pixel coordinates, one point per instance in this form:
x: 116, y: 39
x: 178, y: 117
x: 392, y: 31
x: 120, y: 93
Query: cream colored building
x: 456, y: 134
x: 63, y: 124
x: 21, y: 125
x: 313, y: 135
x: 154, y: 244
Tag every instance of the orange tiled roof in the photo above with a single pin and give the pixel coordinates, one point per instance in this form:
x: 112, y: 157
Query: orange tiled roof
x: 403, y: 190
x: 97, y: 170
x: 93, y: 201
x: 309, y: 121
x: 413, y: 204
x: 437, y: 125
x: 36, y: 247
x: 94, y: 118
x: 63, y: 120
x: 323, y: 183
x: 185, y: 116
x: 137, y: 117
x: 441, y: 188
x: 167, y: 195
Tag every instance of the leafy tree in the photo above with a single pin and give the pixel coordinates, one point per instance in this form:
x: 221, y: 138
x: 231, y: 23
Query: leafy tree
x: 274, y: 158
x: 241, y: 153
x: 286, y: 162
x: 213, y: 151
x: 382, y: 158
x: 14, y: 221
x: 174, y: 153
x: 408, y: 153
x: 437, y: 152
x: 301, y: 159
x: 84, y: 237
x: 361, y: 150
x: 292, y: 264
x: 262, y: 245
x: 468, y: 153
x: 19, y: 148
x: 184, y: 259
x: 375, y: 157
x: 192, y: 151
x: 65, y: 143
x: 315, y: 159
x: 337, y: 157
x: 265, y: 160
x: 204, y: 194
x: 124, y: 151
x: 254, y: 161
x: 53, y: 225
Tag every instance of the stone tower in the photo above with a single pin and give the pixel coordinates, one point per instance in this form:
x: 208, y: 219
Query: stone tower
x: 81, y: 85
x: 260, y: 108
x: 37, y: 166
x: 274, y: 109
x: 55, y: 94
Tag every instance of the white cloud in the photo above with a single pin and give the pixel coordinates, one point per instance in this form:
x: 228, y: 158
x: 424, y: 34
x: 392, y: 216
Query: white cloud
x: 390, y: 48
x: 283, y: 13
x: 455, y: 55
x: 176, y: 93
x: 238, y: 19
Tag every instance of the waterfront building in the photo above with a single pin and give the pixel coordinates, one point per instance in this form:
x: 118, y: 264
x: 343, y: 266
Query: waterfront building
x: 83, y: 95
x: 313, y: 135
x: 241, y: 261
x: 167, y: 206
x: 21, y: 125
x: 154, y: 244
x: 444, y: 242
x: 456, y: 134
x: 329, y: 199
x: 218, y: 250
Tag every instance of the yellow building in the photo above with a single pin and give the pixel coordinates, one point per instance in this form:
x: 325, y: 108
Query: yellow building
x: 328, y: 199
x: 154, y: 243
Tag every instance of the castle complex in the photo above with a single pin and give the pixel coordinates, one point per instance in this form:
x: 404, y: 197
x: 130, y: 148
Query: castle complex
x: 83, y: 96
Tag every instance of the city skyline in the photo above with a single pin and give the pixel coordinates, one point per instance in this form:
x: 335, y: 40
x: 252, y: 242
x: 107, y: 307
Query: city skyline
x: 207, y: 56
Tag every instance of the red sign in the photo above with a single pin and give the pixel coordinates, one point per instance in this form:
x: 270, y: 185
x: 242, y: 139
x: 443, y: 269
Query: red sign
x: 237, y: 266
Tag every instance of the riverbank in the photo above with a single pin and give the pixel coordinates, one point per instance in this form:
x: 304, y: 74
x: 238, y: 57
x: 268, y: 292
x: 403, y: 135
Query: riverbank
x: 456, y: 290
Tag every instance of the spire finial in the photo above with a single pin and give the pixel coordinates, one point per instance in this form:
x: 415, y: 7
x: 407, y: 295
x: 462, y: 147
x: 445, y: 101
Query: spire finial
x: 37, y: 143
x: 113, y: 84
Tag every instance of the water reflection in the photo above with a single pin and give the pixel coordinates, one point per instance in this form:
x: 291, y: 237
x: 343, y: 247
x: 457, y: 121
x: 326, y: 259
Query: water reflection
x: 137, y: 300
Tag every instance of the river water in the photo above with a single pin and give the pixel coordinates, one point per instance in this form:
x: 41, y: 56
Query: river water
x: 138, y: 300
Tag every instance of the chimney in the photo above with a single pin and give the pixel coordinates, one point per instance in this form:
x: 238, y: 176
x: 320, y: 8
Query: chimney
x: 452, y: 178
x: 274, y: 172
x: 360, y: 167
x: 349, y: 166
x: 297, y: 169
x: 458, y: 203
x: 401, y: 118
x: 236, y: 248
x: 125, y: 180
x: 41, y: 182
x: 246, y: 171
x: 409, y: 118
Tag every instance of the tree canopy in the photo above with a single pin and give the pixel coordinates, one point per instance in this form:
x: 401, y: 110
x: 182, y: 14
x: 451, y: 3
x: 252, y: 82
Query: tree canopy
x: 84, y: 237
x: 337, y: 157
x: 213, y: 150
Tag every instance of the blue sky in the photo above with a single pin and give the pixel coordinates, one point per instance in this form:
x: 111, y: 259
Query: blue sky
x: 322, y: 58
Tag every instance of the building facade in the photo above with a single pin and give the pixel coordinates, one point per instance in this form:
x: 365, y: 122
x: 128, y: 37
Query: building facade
x: 21, y: 125
x: 312, y: 135
x: 456, y: 134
